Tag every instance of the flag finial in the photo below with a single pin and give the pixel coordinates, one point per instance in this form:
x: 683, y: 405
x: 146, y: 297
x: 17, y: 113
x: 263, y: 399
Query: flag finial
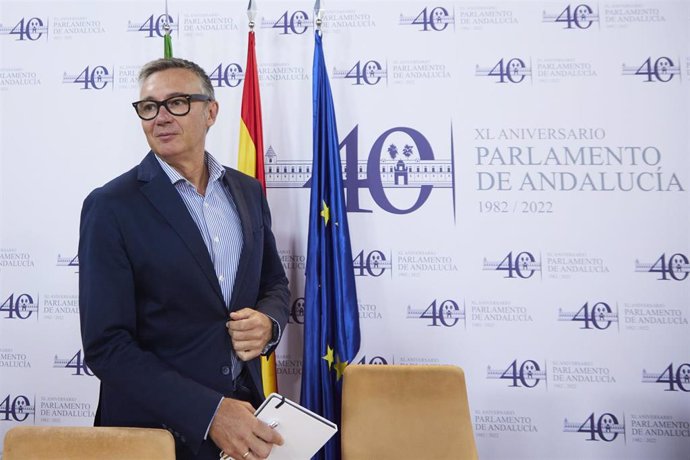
x: 167, y: 39
x: 251, y: 13
x: 317, y: 15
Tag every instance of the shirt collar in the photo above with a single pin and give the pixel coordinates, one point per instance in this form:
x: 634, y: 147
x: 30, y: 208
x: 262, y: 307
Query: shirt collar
x: 215, y: 170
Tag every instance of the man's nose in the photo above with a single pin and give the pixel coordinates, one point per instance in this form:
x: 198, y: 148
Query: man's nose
x: 163, y: 115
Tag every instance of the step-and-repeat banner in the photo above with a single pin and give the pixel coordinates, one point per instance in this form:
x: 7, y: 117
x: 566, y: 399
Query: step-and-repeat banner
x: 517, y: 189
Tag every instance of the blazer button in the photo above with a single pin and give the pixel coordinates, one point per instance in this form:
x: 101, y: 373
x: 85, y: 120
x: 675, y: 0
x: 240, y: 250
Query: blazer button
x: 225, y: 370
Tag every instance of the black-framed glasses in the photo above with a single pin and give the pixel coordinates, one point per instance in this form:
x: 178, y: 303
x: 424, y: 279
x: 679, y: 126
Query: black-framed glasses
x: 179, y: 105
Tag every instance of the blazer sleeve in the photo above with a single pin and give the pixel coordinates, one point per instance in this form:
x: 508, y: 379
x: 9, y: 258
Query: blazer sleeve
x: 108, y: 313
x: 274, y: 295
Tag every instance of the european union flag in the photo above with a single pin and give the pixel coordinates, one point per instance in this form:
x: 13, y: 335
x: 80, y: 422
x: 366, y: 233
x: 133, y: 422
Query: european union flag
x: 331, y: 319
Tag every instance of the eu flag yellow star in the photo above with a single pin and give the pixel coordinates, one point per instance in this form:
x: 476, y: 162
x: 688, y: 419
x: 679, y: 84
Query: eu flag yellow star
x: 339, y: 367
x: 328, y: 357
x: 325, y: 213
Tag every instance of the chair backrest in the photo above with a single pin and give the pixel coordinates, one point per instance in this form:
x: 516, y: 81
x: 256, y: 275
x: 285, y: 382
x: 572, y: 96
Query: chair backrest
x: 82, y: 443
x: 405, y: 412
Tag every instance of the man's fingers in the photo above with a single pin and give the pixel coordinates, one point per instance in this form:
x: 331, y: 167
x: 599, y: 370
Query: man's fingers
x: 237, y: 431
x: 241, y: 345
x: 239, y: 332
x: 249, y: 335
x: 259, y: 448
x: 242, y: 313
x: 250, y: 324
x: 232, y: 428
x: 238, y: 325
x: 248, y: 355
x: 264, y: 438
x: 268, y: 434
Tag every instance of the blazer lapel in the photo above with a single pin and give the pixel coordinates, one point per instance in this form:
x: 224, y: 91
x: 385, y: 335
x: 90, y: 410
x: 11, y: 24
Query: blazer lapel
x: 240, y: 201
x: 163, y: 196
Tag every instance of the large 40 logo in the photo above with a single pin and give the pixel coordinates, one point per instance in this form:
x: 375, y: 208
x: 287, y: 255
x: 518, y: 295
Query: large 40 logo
x: 16, y: 409
x: 29, y: 29
x: 21, y: 306
x: 374, y: 179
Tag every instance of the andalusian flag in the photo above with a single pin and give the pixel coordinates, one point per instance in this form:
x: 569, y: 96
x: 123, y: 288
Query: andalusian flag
x: 250, y: 161
x: 167, y: 45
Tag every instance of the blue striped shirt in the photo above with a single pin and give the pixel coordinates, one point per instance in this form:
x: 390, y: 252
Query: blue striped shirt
x: 216, y: 217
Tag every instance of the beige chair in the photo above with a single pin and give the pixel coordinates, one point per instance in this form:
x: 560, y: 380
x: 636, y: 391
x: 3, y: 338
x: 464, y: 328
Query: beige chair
x: 87, y: 443
x: 406, y: 412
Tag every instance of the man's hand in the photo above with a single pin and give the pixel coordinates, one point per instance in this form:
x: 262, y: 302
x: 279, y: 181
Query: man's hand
x: 237, y: 431
x: 250, y: 331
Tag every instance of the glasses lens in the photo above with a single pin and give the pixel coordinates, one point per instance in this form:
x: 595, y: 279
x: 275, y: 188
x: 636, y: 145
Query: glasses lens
x: 178, y: 105
x: 147, y: 109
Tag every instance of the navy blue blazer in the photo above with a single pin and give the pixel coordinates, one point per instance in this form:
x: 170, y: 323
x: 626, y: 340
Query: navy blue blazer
x: 152, y: 312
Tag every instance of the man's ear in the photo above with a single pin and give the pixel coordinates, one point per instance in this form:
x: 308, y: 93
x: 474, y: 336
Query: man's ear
x: 213, y: 108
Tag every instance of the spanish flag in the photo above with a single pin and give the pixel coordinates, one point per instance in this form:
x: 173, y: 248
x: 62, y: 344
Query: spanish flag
x: 250, y: 160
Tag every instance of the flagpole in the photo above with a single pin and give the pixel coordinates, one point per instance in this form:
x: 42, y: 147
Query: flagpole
x: 167, y: 39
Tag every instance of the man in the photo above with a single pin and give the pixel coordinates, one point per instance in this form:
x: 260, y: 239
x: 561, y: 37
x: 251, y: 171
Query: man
x: 180, y: 286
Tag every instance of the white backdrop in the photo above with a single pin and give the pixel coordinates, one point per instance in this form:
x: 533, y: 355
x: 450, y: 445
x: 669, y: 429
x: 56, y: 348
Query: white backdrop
x: 518, y: 196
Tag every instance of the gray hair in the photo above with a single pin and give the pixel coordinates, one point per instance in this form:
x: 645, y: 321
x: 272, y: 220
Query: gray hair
x: 176, y: 63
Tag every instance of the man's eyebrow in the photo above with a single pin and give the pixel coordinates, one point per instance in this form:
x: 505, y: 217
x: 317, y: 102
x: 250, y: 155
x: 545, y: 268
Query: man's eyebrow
x: 168, y: 96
